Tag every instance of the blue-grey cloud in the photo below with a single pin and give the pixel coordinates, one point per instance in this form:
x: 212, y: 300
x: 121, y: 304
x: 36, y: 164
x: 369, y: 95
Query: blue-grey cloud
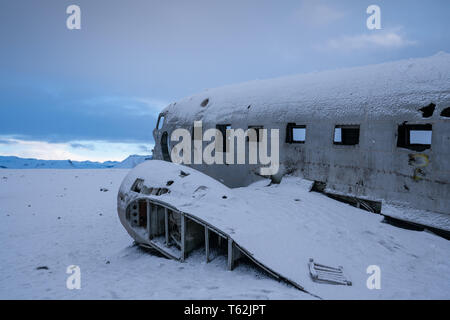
x: 109, y: 80
x: 83, y: 146
x: 75, y: 115
x: 7, y: 142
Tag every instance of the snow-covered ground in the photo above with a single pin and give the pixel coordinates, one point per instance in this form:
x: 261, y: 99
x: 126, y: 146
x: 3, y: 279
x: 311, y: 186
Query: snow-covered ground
x: 57, y: 218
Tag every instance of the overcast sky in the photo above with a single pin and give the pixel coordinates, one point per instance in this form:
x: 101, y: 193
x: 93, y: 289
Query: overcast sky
x: 95, y: 93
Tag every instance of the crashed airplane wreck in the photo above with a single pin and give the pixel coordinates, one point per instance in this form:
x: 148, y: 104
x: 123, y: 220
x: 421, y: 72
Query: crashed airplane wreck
x: 357, y: 147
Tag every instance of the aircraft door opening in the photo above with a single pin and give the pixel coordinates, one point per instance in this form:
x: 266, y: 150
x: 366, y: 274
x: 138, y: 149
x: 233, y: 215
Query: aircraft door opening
x: 165, y: 147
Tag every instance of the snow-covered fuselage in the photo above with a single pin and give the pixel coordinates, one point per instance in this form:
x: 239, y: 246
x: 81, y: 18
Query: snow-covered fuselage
x: 385, y: 105
x: 376, y: 137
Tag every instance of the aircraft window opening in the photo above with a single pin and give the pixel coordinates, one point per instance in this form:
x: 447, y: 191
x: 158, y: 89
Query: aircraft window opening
x: 415, y: 137
x: 347, y: 135
x: 225, y: 140
x: 137, y: 185
x: 165, y: 146
x: 258, y: 134
x: 295, y: 133
x: 160, y: 122
x: 446, y: 112
x: 204, y: 102
x: 428, y: 111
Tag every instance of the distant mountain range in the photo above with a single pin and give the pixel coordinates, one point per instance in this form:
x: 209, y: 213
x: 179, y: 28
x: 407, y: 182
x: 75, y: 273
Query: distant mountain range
x: 11, y: 162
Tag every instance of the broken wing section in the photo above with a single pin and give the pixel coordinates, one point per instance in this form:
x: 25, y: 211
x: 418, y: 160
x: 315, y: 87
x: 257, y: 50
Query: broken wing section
x: 280, y: 228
